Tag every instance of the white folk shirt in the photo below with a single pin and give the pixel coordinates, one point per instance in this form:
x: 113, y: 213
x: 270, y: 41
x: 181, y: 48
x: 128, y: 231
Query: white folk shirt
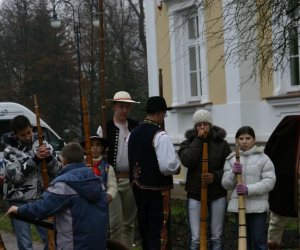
x: 165, y: 153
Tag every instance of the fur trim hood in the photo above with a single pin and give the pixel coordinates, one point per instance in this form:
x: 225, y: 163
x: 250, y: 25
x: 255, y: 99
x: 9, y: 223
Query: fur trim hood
x: 216, y: 133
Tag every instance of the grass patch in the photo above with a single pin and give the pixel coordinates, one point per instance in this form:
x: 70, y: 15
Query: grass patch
x: 5, y: 223
x: 178, y: 207
x: 292, y: 224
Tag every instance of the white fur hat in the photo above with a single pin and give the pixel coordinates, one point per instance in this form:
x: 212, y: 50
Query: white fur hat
x: 202, y: 115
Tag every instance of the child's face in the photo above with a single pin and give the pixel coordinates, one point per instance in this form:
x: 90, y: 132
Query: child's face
x: 25, y: 135
x: 245, y: 142
x: 97, y: 148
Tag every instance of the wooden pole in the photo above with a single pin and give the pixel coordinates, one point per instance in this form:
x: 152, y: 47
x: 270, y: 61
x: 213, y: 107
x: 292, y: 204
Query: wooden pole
x: 161, y: 93
x: 203, y: 212
x: 86, y: 124
x: 51, y: 236
x: 242, y: 240
x: 2, y: 246
x: 102, y: 67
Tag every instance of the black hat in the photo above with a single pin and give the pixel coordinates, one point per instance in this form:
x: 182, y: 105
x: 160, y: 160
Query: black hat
x: 155, y: 104
x: 103, y: 141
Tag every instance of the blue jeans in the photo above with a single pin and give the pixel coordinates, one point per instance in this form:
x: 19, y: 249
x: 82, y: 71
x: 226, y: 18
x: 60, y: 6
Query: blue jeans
x: 256, y: 231
x: 23, y: 231
x: 216, y: 211
x: 23, y: 234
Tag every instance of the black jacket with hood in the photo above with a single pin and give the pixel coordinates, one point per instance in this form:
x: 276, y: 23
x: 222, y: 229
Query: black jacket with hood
x: 190, y: 154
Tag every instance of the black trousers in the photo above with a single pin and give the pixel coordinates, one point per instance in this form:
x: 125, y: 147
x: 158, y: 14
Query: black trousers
x: 153, y: 214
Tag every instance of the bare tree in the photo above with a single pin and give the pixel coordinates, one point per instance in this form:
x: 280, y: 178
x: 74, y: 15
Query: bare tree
x: 140, y: 13
x: 126, y: 62
x: 35, y: 60
x: 264, y: 32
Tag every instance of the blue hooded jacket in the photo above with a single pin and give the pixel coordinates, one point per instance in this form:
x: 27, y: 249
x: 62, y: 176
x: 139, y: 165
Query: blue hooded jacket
x: 78, y: 201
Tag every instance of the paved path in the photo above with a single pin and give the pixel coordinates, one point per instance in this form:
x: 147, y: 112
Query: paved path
x: 11, y: 244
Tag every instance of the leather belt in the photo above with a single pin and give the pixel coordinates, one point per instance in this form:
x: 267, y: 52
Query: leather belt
x: 122, y: 175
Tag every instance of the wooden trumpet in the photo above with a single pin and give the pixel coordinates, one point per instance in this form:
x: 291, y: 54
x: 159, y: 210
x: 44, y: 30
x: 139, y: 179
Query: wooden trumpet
x: 2, y: 246
x: 242, y: 240
x: 51, y: 236
x: 203, y: 212
x: 85, y: 121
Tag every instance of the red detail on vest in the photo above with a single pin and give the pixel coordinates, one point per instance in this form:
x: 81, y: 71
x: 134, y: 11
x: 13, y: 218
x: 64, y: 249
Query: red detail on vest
x: 96, y: 169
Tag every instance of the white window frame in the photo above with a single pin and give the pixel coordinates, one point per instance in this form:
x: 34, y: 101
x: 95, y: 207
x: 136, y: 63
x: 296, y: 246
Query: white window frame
x: 194, y: 43
x: 297, y: 85
x: 180, y: 45
x: 283, y: 77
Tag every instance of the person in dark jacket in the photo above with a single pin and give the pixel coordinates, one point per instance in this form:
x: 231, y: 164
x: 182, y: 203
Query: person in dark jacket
x: 77, y: 199
x: 283, y: 148
x: 122, y: 209
x: 190, y: 154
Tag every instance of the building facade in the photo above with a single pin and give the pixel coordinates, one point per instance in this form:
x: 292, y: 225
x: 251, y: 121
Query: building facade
x: 189, y: 45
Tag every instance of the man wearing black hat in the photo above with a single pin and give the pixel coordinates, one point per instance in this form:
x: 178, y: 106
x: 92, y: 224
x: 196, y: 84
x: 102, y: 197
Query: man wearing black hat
x: 152, y: 162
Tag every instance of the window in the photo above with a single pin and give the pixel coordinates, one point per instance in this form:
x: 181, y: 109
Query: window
x: 188, y: 52
x: 287, y: 79
x: 294, y: 56
x: 193, y: 48
x: 293, y: 15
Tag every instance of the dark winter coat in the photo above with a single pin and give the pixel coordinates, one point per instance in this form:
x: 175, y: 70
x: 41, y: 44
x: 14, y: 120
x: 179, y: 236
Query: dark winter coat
x: 283, y: 150
x: 23, y: 176
x: 190, y: 154
x: 78, y: 202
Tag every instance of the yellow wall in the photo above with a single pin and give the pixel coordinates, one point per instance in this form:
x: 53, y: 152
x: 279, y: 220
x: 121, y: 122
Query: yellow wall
x: 265, y: 50
x: 215, y: 52
x: 163, y: 46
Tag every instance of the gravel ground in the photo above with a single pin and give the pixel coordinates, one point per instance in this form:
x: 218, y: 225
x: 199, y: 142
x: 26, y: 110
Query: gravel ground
x: 11, y: 244
x: 179, y: 232
x: 180, y: 235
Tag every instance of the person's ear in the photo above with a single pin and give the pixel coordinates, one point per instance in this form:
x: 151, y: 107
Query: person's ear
x: 64, y: 162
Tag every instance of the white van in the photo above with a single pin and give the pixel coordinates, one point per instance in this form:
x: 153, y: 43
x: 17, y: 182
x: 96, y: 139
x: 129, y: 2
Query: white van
x: 8, y: 110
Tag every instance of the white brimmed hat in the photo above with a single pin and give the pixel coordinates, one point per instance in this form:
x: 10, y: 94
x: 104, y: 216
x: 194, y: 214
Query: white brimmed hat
x: 121, y: 96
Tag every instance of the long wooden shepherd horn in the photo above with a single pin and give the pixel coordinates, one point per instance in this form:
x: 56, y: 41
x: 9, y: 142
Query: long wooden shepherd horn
x: 242, y: 240
x: 2, y: 246
x: 45, y: 176
x: 203, y: 212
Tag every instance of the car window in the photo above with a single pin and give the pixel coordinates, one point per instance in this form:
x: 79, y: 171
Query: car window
x: 4, y: 127
x: 55, y: 142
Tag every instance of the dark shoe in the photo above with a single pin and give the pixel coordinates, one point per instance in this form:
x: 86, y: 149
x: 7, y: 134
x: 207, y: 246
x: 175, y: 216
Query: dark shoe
x: 273, y: 246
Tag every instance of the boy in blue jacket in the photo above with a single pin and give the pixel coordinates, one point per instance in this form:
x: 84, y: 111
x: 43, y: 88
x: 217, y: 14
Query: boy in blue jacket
x: 78, y: 202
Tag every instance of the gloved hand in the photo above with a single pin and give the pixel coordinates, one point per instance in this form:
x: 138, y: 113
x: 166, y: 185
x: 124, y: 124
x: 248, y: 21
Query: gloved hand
x: 241, y: 189
x: 237, y: 168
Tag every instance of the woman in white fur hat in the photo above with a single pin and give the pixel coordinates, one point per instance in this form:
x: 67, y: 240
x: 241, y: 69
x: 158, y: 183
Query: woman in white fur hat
x: 190, y: 154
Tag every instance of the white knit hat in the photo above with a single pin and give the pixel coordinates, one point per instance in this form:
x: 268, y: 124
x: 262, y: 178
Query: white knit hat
x: 202, y: 115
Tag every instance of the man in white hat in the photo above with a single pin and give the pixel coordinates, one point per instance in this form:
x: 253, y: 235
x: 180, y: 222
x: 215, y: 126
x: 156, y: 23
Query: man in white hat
x: 122, y: 210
